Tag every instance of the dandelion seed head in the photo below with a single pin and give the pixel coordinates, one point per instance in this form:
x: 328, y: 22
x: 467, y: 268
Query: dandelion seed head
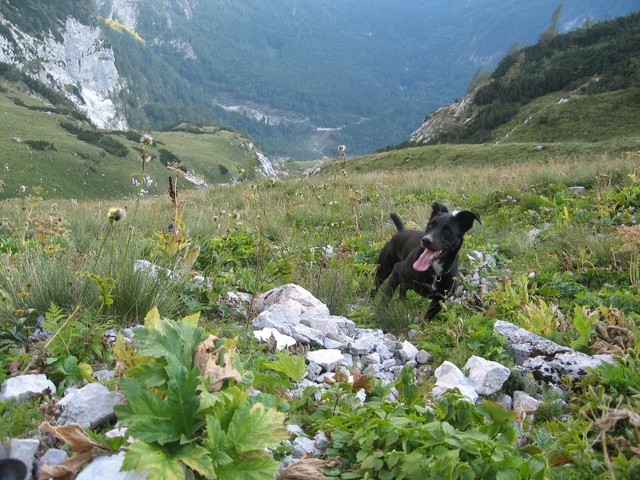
x: 21, y: 189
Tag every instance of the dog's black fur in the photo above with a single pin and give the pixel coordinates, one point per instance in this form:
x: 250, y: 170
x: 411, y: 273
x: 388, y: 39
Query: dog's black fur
x: 425, y: 261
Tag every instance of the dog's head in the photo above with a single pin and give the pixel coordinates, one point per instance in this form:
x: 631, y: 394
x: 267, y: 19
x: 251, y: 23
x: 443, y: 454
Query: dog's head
x: 444, y: 232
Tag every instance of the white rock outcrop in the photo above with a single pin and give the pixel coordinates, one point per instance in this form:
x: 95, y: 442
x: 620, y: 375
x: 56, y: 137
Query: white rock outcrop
x: 80, y: 63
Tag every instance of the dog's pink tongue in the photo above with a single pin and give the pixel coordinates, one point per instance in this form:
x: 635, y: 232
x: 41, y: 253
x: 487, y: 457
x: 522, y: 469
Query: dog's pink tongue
x: 423, y: 262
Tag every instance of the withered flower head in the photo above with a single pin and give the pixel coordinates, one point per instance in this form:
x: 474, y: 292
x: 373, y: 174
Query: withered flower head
x: 117, y: 214
x: 146, y: 139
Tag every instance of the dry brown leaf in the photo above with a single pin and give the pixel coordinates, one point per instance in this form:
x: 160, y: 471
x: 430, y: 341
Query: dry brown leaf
x: 84, y: 450
x: 602, y: 347
x: 307, y: 469
x: 609, y: 421
x: 208, y: 358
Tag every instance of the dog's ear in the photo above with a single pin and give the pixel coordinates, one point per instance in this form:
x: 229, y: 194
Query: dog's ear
x: 466, y: 218
x: 438, y: 208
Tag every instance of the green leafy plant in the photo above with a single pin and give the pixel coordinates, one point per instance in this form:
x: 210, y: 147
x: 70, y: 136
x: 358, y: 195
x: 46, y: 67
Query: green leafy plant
x: 455, y: 440
x: 283, y: 371
x: 19, y: 419
x: 66, y: 371
x: 179, y: 424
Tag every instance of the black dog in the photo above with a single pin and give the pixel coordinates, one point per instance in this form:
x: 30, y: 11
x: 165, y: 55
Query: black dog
x: 425, y: 262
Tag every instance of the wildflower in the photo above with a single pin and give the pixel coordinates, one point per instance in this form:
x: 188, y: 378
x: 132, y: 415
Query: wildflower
x: 146, y: 139
x: 117, y: 214
x: 24, y: 294
x: 21, y: 189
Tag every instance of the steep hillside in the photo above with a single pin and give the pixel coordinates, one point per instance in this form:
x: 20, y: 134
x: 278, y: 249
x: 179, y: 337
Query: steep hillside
x: 49, y: 149
x: 579, y: 86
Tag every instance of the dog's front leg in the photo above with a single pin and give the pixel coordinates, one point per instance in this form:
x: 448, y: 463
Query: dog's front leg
x: 434, y: 309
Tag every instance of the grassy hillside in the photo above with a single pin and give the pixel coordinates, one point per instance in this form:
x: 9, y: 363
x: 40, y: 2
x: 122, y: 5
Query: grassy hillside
x: 52, y: 152
x: 575, y: 117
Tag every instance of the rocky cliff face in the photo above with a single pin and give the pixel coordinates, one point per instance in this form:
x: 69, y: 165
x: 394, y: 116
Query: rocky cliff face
x: 457, y: 114
x: 80, y: 66
x: 159, y: 13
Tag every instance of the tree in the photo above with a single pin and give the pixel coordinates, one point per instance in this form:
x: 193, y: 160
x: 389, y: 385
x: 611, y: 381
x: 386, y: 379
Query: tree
x: 552, y: 31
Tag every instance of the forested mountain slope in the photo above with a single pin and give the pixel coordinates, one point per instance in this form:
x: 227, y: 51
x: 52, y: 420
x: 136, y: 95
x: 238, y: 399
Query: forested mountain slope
x: 583, y: 85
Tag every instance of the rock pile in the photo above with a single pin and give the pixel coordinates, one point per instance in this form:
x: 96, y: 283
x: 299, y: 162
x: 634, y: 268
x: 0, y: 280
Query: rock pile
x: 290, y: 317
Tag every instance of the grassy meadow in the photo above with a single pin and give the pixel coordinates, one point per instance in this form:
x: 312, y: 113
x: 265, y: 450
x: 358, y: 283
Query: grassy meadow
x: 567, y: 267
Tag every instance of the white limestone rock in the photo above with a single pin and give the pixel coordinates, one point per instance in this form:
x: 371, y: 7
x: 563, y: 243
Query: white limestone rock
x: 408, y: 351
x: 524, y: 405
x: 328, y: 359
x: 24, y: 449
x: 487, y: 377
x: 450, y: 377
x: 290, y: 295
x: 105, y: 466
x: 23, y: 387
x: 267, y: 333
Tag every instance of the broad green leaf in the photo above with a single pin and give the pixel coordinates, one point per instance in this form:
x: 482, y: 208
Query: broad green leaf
x: 148, y: 416
x: 255, y: 428
x: 161, y: 465
x: 182, y: 399
x: 293, y: 366
x: 192, y: 319
x: 170, y: 339
x: 197, y: 459
x: 260, y: 467
x: 216, y: 442
x: 150, y: 374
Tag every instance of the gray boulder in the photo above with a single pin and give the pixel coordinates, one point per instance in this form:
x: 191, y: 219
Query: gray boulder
x: 89, y: 406
x: 24, y: 449
x: 524, y: 405
x: 290, y: 295
x: 544, y: 359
